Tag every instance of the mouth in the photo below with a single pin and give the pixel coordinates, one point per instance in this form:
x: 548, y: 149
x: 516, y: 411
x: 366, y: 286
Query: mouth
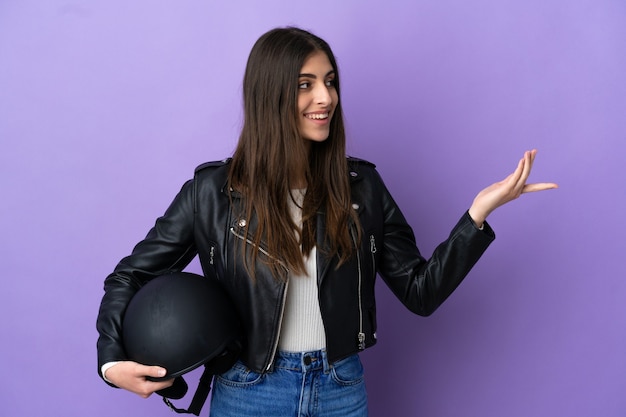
x: 317, y: 116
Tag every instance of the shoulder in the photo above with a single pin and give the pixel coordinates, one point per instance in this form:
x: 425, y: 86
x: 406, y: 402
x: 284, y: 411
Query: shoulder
x: 212, y: 164
x: 212, y: 175
x: 361, y: 169
x: 352, y: 161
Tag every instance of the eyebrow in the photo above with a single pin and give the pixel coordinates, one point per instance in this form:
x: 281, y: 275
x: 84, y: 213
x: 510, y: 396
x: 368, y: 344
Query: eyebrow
x: 331, y: 72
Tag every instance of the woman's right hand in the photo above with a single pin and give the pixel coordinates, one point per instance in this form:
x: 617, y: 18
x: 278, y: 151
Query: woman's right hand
x: 132, y: 376
x: 507, y: 190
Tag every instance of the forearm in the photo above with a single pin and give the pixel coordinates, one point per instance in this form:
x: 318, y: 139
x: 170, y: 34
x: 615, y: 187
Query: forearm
x: 424, y: 284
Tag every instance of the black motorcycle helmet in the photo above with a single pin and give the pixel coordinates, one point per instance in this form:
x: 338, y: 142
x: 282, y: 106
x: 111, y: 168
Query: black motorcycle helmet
x: 181, y: 321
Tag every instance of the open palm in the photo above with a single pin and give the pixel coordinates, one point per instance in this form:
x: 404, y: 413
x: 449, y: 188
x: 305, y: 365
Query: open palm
x: 507, y: 190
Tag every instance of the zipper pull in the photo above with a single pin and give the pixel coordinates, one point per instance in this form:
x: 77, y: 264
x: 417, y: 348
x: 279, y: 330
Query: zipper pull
x: 361, y: 337
x: 372, y: 244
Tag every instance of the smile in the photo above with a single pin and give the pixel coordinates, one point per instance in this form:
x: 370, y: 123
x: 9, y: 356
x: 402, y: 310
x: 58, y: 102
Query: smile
x: 317, y: 116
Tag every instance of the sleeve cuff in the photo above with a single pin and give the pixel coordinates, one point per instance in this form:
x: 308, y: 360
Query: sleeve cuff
x: 485, y: 227
x: 105, y: 368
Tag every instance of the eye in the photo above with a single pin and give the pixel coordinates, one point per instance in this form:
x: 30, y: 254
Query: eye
x: 330, y: 83
x: 303, y: 85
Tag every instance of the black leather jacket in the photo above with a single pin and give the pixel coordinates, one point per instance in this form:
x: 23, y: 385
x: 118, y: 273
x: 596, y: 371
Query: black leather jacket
x: 201, y: 221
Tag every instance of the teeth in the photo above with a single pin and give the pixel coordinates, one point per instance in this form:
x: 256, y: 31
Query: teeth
x: 317, y: 116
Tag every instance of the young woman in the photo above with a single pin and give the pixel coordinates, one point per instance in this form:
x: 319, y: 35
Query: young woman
x: 296, y: 232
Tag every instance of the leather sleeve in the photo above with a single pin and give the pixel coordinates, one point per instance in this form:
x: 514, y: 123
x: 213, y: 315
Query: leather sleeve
x: 169, y: 246
x: 424, y: 284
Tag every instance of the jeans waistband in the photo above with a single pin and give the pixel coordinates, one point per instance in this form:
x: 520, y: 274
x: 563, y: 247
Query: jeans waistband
x: 303, y: 361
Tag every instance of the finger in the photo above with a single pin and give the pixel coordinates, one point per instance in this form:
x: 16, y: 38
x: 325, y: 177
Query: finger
x: 514, y: 177
x: 528, y: 163
x: 149, y: 371
x: 540, y: 186
x: 149, y: 386
x: 146, y: 388
x: 155, y: 371
x: 532, y: 155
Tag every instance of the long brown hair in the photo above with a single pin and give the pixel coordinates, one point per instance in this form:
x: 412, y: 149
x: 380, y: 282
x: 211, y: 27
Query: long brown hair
x: 271, y: 156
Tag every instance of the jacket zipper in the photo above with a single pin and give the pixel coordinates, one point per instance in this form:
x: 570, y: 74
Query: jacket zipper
x: 212, y: 255
x: 361, y: 334
x: 280, y: 325
x: 283, y: 298
x: 373, y: 252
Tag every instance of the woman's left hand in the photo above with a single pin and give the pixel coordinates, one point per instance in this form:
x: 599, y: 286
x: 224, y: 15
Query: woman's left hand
x: 507, y: 190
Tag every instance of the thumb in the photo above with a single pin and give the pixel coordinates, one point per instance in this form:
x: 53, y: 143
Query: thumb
x: 155, y: 371
x: 541, y: 186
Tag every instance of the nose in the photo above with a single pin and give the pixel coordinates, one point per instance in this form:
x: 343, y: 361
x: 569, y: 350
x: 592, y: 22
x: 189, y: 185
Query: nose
x: 322, y: 95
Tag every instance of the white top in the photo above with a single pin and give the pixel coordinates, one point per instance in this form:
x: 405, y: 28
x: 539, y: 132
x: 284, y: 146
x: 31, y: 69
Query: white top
x: 302, y: 328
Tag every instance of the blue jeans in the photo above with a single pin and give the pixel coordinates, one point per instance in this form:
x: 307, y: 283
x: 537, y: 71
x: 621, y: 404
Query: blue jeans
x: 301, y: 384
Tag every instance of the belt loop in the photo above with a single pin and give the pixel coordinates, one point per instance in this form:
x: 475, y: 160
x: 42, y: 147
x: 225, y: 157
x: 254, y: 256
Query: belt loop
x: 327, y: 366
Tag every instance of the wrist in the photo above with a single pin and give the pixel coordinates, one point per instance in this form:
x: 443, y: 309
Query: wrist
x: 105, y: 368
x: 477, y: 217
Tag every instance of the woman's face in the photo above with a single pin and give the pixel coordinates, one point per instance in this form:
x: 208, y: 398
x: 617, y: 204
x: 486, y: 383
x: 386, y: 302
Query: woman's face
x: 317, y: 97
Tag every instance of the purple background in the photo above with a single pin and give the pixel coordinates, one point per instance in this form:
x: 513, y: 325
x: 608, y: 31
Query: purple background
x: 107, y: 106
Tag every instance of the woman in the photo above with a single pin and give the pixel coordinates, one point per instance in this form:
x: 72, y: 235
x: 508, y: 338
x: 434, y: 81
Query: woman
x: 296, y: 233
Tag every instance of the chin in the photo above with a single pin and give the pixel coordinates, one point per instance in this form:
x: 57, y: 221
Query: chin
x: 316, y: 139
x: 316, y: 136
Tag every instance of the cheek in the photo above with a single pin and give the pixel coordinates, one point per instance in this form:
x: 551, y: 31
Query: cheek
x: 303, y: 103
